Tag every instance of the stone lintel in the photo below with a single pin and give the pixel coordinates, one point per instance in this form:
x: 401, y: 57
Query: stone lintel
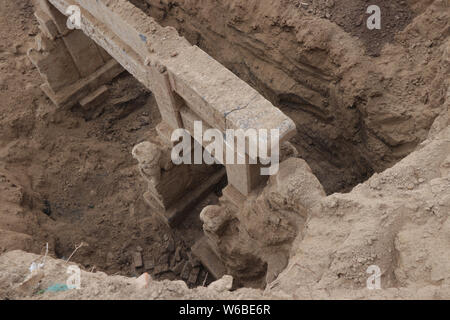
x: 217, y: 95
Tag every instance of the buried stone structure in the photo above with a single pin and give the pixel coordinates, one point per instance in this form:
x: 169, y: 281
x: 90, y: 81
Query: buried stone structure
x: 189, y: 86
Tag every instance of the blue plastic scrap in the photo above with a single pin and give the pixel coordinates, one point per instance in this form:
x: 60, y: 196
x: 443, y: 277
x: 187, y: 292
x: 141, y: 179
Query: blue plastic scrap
x: 57, y: 288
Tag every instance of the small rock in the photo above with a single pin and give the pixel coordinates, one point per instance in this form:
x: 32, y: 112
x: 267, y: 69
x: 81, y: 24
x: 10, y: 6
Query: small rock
x: 137, y: 260
x: 178, y: 268
x: 143, y: 281
x: 149, y: 265
x: 186, y: 271
x: 222, y: 285
x: 164, y: 259
x: 178, y: 254
x: 173, y: 261
x: 193, y: 260
x: 161, y: 68
x: 194, y: 275
x: 170, y: 246
x: 161, y: 268
x: 109, y: 258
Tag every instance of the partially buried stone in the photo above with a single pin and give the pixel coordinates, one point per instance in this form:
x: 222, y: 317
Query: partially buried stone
x: 143, y: 281
x: 137, y: 260
x: 186, y: 271
x: 149, y: 265
x: 162, y: 268
x: 178, y: 268
x: 194, y: 275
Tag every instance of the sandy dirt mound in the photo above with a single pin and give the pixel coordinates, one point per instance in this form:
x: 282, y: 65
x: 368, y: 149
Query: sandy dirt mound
x: 398, y: 221
x: 13, y: 285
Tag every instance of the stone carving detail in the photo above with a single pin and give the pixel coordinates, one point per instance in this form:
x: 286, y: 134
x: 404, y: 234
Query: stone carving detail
x: 151, y: 161
x: 258, y: 230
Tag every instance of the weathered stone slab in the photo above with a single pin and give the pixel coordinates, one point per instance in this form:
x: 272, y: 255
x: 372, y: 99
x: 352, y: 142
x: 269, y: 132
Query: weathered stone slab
x: 169, y: 104
x: 72, y: 94
x: 209, y: 259
x: 56, y: 67
x: 244, y: 177
x: 189, y: 117
x: 165, y: 133
x: 84, y: 52
x: 44, y: 44
x: 239, y: 177
x: 105, y: 55
x: 114, y: 46
x: 261, y: 114
x: 58, y: 17
x: 125, y: 20
x: 210, y: 89
x: 175, y: 214
x: 95, y: 98
x: 233, y: 196
x: 46, y: 24
x: 137, y: 260
x: 193, y: 276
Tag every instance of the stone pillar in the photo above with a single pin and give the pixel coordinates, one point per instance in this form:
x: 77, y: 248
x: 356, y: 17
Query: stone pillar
x: 173, y: 190
x: 169, y: 103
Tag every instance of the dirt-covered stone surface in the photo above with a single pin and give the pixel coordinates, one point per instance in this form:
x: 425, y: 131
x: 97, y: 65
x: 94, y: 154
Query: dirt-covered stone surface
x: 372, y: 113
